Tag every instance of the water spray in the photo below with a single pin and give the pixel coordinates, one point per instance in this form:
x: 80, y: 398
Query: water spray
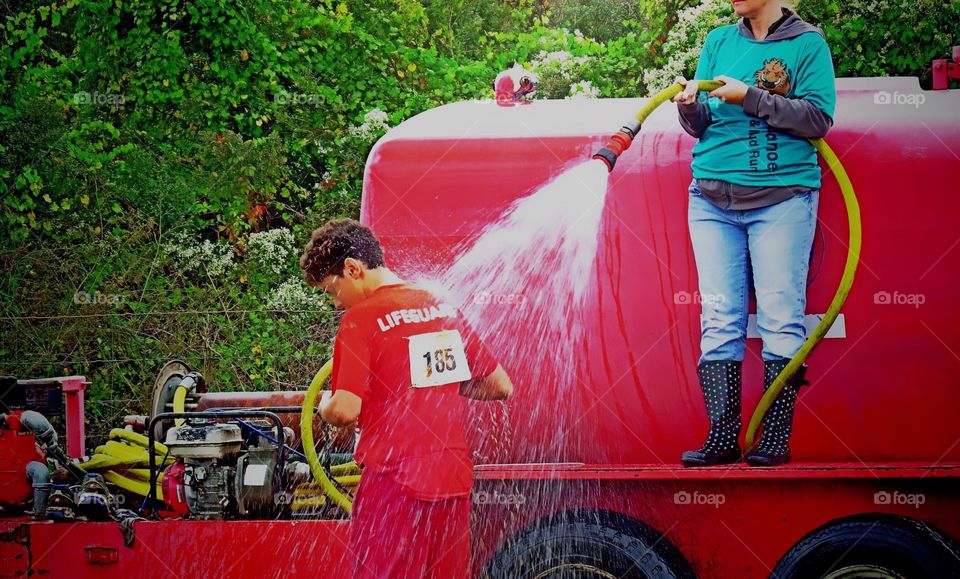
x: 621, y: 141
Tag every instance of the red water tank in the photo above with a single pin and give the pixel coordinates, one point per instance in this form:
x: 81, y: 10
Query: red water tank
x: 885, y: 384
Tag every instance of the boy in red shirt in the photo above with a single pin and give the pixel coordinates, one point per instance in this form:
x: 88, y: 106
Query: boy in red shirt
x: 404, y: 362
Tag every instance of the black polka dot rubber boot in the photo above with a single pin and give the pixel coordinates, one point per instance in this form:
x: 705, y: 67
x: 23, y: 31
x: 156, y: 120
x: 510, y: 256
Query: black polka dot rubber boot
x: 720, y: 382
x: 773, y: 447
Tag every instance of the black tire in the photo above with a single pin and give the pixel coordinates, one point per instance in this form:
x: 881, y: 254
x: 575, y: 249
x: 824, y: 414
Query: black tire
x: 588, y: 544
x: 871, y: 546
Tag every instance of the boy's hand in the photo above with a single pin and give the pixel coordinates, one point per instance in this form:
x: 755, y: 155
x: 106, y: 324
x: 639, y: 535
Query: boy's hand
x: 732, y: 92
x: 688, y: 95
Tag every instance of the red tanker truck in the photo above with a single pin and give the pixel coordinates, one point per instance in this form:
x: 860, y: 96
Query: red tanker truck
x: 580, y: 473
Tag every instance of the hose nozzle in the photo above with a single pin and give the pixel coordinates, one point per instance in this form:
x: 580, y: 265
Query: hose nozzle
x: 621, y: 141
x: 618, y: 143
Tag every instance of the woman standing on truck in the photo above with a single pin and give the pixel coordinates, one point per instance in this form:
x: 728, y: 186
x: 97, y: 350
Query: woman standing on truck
x: 753, y: 206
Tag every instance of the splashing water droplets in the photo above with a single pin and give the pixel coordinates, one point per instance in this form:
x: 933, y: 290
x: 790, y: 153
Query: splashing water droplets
x: 542, y: 248
x: 523, y: 281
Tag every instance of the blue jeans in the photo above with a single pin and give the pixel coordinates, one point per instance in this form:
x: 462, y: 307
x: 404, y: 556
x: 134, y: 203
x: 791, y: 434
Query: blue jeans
x: 774, y: 242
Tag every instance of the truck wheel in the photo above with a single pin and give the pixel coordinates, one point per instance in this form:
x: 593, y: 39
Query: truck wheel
x: 581, y: 545
x: 879, y: 546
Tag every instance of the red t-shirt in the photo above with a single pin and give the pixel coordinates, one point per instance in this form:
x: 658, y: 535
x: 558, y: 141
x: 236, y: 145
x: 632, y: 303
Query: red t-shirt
x: 385, y: 349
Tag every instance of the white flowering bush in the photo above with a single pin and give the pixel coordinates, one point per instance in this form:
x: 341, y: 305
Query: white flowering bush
x: 204, y: 257
x: 296, y: 299
x: 375, y: 123
x: 271, y: 250
x: 685, y: 40
x: 563, y: 61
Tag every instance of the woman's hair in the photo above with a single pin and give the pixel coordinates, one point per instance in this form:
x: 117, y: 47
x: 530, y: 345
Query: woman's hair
x: 334, y: 242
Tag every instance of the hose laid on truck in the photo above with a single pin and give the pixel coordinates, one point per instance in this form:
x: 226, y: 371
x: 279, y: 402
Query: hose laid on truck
x: 117, y: 460
x: 621, y: 140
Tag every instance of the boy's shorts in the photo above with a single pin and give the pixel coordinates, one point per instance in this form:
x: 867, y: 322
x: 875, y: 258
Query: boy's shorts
x: 393, y: 536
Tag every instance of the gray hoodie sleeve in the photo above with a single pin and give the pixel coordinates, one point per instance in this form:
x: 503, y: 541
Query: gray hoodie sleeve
x: 798, y: 117
x: 694, y: 118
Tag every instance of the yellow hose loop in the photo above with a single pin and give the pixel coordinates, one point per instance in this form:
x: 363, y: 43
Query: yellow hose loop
x: 121, y: 450
x: 179, y: 403
x: 843, y: 290
x: 349, y: 481
x: 139, y: 474
x: 849, y: 269
x: 100, y: 462
x: 138, y: 487
x: 347, y: 468
x: 129, y: 436
x: 306, y: 436
x: 117, y: 458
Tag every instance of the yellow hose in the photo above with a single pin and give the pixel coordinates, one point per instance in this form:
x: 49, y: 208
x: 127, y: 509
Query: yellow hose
x: 843, y: 290
x: 309, y: 495
x: 348, y: 468
x: 136, y: 438
x: 138, y: 487
x: 117, y: 460
x: 306, y: 436
x: 849, y: 269
x: 349, y: 481
x: 668, y: 93
x: 179, y: 403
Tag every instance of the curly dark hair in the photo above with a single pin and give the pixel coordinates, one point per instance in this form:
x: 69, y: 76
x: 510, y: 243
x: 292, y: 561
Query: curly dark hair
x: 335, y: 241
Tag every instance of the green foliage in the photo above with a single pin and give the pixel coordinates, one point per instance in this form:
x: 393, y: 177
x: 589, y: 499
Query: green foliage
x: 866, y: 37
x: 886, y: 37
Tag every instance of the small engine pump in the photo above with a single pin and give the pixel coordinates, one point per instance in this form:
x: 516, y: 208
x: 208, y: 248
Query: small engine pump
x: 225, y: 475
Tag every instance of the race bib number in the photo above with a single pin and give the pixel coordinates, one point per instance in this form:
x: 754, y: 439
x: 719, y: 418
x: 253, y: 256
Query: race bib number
x: 437, y: 358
